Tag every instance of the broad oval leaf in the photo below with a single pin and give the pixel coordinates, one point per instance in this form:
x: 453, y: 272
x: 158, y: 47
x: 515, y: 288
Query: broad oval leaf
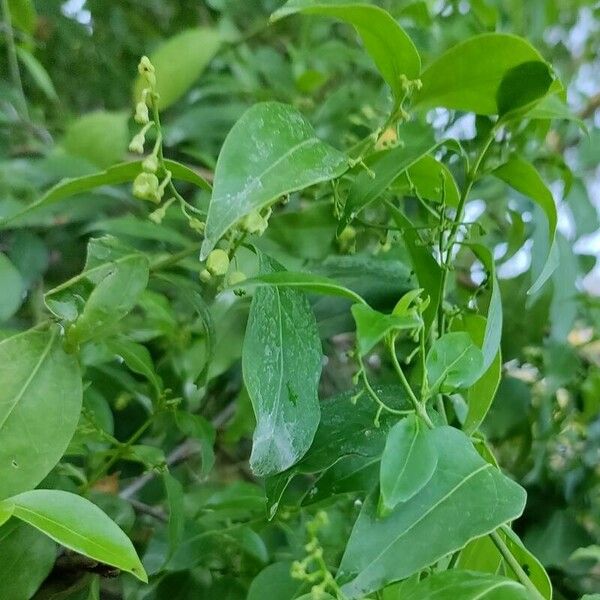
x: 281, y: 361
x: 453, y: 361
x: 408, y: 461
x: 78, y: 524
x: 40, y: 402
x: 466, y: 585
x: 524, y: 177
x: 272, y: 150
x: 179, y: 62
x: 33, y: 555
x: 467, y: 495
x: 468, y: 75
x: 388, y: 44
x: 521, y: 87
x: 276, y: 582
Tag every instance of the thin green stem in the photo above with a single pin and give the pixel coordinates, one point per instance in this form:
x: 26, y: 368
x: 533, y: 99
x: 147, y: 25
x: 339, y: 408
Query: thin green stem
x: 175, y: 258
x: 418, y: 406
x: 13, y: 61
x: 507, y: 555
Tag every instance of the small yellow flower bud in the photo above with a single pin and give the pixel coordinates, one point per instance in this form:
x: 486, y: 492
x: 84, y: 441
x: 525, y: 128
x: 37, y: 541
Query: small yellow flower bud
x: 235, y: 278
x: 158, y: 215
x: 150, y: 164
x: 205, y: 276
x: 387, y: 139
x: 197, y: 225
x: 254, y: 223
x: 217, y: 262
x: 141, y: 113
x: 137, y: 143
x: 145, y: 187
x: 146, y: 70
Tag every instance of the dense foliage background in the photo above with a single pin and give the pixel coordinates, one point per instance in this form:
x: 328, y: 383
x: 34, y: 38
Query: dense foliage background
x: 68, y: 74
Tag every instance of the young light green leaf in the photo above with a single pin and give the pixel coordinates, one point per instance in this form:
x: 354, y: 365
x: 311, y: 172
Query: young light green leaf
x: 388, y: 44
x: 179, y: 61
x: 308, y: 282
x: 372, y: 326
x: 117, y: 174
x: 281, y: 362
x: 408, y: 461
x: 79, y: 525
x: 468, y: 75
x: 116, y: 274
x: 40, y: 402
x: 453, y: 362
x: 12, y: 287
x: 26, y: 559
x: 385, y: 167
x: 465, y: 585
x: 523, y: 177
x: 272, y: 150
x: 468, y: 495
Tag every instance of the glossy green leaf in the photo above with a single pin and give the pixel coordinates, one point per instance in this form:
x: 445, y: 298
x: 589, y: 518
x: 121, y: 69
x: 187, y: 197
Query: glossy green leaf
x: 281, y: 362
x: 12, y: 288
x: 26, y: 559
x: 99, y: 137
x: 110, y: 285
x: 408, y: 461
x: 372, y: 326
x: 466, y: 585
x: 40, y: 401
x: 388, y: 44
x: 523, y: 177
x: 271, y: 151
x: 179, y: 62
x: 521, y: 87
x: 78, y: 524
x: 468, y: 495
x: 452, y: 362
x: 307, y: 282
x: 469, y: 75
x: 386, y: 166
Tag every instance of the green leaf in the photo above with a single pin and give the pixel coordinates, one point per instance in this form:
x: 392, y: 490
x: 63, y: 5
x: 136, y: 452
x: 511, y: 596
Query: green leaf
x: 530, y: 564
x: 23, y: 14
x: 465, y: 585
x: 387, y: 43
x: 408, y: 462
x: 346, y: 429
x: 38, y: 73
x: 469, y: 75
x: 198, y: 428
x: 110, y: 285
x: 99, y: 137
x: 480, y: 395
x: 466, y: 498
x: 429, y: 273
x: 523, y: 177
x: 271, y: 151
x: 79, y: 525
x: 12, y: 287
x: 137, y: 358
x: 281, y: 362
x: 521, y: 87
x: 276, y: 582
x: 117, y: 174
x: 308, y: 282
x: 386, y: 166
x: 40, y: 402
x: 26, y: 559
x: 179, y: 62
x: 372, y: 326
x: 175, y: 500
x: 453, y: 362
x: 553, y: 107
